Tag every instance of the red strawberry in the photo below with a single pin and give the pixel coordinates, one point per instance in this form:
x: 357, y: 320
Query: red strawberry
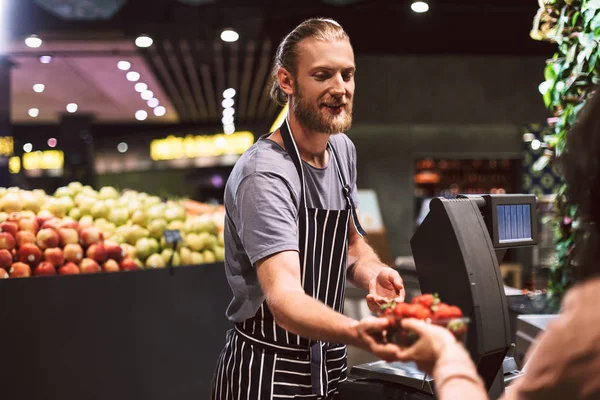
x: 417, y: 311
x: 444, y: 311
x: 427, y: 300
x: 400, y: 309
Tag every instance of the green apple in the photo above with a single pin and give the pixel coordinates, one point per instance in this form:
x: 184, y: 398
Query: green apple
x: 197, y: 258
x: 145, y: 247
x: 139, y: 218
x: 157, y: 227
x: 151, y: 201
x: 219, y: 254
x: 209, y: 257
x: 100, y: 210
x: 221, y: 239
x: 128, y: 250
x: 118, y: 216
x: 108, y: 192
x: 63, y: 191
x: 186, y: 256
x: 156, y: 211
x: 75, y: 187
x: 75, y: 213
x: 175, y: 225
x: 155, y: 261
x: 54, y: 205
x: 67, y: 202
x: 174, y: 213
x: 194, y: 242
x: 168, y: 254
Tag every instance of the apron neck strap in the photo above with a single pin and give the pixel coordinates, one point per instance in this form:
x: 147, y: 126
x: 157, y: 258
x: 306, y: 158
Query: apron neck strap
x: 292, y: 150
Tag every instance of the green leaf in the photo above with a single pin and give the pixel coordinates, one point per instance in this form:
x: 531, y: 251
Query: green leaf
x: 571, y: 54
x: 549, y: 73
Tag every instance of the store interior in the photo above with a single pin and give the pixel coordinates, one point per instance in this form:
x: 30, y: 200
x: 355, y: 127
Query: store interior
x: 158, y: 100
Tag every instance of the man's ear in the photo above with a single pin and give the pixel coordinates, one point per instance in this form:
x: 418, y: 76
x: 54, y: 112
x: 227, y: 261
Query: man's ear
x: 286, y: 81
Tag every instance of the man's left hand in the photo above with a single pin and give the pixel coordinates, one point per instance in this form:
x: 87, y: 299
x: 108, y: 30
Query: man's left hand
x: 386, y: 286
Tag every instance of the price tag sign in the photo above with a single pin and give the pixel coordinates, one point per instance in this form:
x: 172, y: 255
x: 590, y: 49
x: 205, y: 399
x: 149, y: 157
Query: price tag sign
x: 172, y: 236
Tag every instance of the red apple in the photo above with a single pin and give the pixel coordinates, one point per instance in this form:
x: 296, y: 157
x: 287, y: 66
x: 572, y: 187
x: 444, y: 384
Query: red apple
x: 70, y: 223
x: 110, y: 266
x: 128, y: 264
x: 90, y: 235
x: 25, y: 237
x: 47, y: 238
x: 14, y: 217
x: 9, y: 227
x: 68, y: 236
x: 55, y: 256
x: 29, y: 253
x: 114, y: 250
x: 20, y: 270
x: 3, y: 274
x: 44, y: 269
x: 69, y: 269
x: 89, y: 266
x: 52, y: 223
x: 6, y: 259
x: 7, y: 241
x: 29, y: 224
x: 43, y: 216
x: 73, y: 253
x: 96, y: 252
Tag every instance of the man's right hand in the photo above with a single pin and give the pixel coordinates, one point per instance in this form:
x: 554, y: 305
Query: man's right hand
x: 367, y: 330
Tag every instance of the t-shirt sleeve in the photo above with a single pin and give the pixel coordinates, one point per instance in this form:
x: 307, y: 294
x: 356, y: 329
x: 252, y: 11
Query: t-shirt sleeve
x: 266, y: 219
x: 352, y: 169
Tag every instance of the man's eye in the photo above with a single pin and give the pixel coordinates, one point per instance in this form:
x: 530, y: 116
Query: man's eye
x: 348, y: 76
x: 321, y: 77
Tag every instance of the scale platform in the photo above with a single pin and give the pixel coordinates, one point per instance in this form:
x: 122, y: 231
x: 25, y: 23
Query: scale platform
x: 405, y: 374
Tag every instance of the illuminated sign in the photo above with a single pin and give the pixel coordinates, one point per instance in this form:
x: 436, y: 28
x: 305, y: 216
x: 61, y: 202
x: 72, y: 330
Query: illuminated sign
x: 7, y: 146
x: 48, y: 159
x: 173, y: 148
x: 14, y: 165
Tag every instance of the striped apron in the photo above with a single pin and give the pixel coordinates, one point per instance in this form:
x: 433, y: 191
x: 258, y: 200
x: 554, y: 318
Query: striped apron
x: 263, y: 361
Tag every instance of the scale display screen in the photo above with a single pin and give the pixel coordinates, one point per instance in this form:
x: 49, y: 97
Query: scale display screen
x: 514, y: 223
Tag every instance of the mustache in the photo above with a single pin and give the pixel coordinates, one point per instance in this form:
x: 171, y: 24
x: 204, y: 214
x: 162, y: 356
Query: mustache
x: 334, y: 104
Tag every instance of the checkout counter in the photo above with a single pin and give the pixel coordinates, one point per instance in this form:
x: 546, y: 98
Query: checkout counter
x: 457, y: 250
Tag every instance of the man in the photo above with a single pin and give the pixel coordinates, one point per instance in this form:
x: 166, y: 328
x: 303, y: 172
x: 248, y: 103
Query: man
x: 290, y: 231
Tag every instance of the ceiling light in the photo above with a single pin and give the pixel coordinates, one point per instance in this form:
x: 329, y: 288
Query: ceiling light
x: 229, y: 35
x: 33, y: 112
x: 27, y: 147
x: 45, y: 59
x: 229, y: 93
x: 147, y: 94
x: 143, y: 41
x: 39, y: 87
x: 52, y: 142
x: 228, y: 112
x: 152, y: 102
x: 419, y: 6
x: 227, y: 103
x: 536, y: 144
x: 227, y: 120
x: 133, y: 76
x: 33, y: 41
x: 229, y: 129
x: 141, y: 115
x: 124, y: 65
x: 122, y: 147
x: 140, y: 87
x: 72, y: 107
x: 160, y: 111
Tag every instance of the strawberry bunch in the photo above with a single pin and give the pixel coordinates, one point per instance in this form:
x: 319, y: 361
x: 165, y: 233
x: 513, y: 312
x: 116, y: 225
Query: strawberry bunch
x: 427, y: 307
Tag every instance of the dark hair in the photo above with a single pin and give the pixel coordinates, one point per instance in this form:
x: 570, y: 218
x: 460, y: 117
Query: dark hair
x: 581, y: 167
x: 287, y: 53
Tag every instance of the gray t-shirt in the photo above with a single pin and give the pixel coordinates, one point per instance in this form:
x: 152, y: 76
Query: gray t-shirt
x: 262, y: 199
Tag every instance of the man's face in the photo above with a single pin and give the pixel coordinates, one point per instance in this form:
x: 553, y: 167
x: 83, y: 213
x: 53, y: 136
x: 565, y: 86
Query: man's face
x: 324, y: 85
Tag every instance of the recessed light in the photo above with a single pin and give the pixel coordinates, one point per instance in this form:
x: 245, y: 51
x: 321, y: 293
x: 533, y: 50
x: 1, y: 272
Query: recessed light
x: 33, y: 41
x: 229, y: 129
x: 147, y: 94
x: 160, y: 111
x: 72, y: 107
x: 124, y: 65
x: 39, y: 87
x: 122, y: 147
x: 33, y: 112
x: 228, y: 112
x: 143, y: 41
x: 140, y: 87
x: 229, y: 35
x: 227, y: 120
x: 227, y: 103
x: 229, y: 93
x: 141, y: 115
x: 133, y: 76
x: 45, y: 59
x: 52, y: 142
x: 27, y: 147
x: 152, y: 102
x: 419, y: 6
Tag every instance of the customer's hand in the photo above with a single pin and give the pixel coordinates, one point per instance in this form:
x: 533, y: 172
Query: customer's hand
x: 369, y: 332
x: 384, y: 287
x: 433, y: 341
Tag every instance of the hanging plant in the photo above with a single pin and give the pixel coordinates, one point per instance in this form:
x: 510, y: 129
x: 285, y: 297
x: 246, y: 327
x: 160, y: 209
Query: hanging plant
x: 570, y: 77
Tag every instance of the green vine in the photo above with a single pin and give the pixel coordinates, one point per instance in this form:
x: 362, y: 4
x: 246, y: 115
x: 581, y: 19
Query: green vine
x: 570, y: 76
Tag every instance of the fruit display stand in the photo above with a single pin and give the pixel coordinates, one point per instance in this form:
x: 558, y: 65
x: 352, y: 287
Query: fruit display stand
x: 145, y: 334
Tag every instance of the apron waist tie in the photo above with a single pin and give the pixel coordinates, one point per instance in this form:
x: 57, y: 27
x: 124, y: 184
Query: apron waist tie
x: 316, y: 353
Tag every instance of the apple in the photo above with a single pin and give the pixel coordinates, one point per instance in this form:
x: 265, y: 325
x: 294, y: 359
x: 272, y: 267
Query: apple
x: 155, y: 261
x: 219, y: 253
x: 118, y: 216
x: 25, y: 237
x: 9, y: 227
x: 110, y: 266
x: 114, y: 250
x: 86, y: 221
x: 52, y: 223
x: 63, y: 191
x: 100, y: 210
x: 138, y: 218
x: 28, y: 214
x: 89, y: 266
x: 68, y: 236
x: 14, y: 217
x: 96, y: 252
x: 44, y: 269
x: 6, y: 259
x: 20, y: 270
x: 43, y: 216
x: 209, y: 257
x: 3, y: 216
x: 69, y: 269
x: 57, y: 207
x: 68, y: 222
x: 185, y: 255
x: 128, y: 250
x: 197, y: 258
x: 11, y: 202
x: 30, y: 201
x: 29, y: 224
x: 157, y: 227
x: 128, y: 264
x: 55, y: 256
x: 47, y: 238
x: 73, y: 253
x: 108, y: 192
x: 75, y: 213
x: 29, y: 253
x: 169, y: 256
x: 90, y: 235
x: 7, y: 241
x: 3, y: 274
x: 145, y: 247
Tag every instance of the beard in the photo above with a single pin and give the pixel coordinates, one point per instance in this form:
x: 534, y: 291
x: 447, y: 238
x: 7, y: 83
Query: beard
x: 317, y: 118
